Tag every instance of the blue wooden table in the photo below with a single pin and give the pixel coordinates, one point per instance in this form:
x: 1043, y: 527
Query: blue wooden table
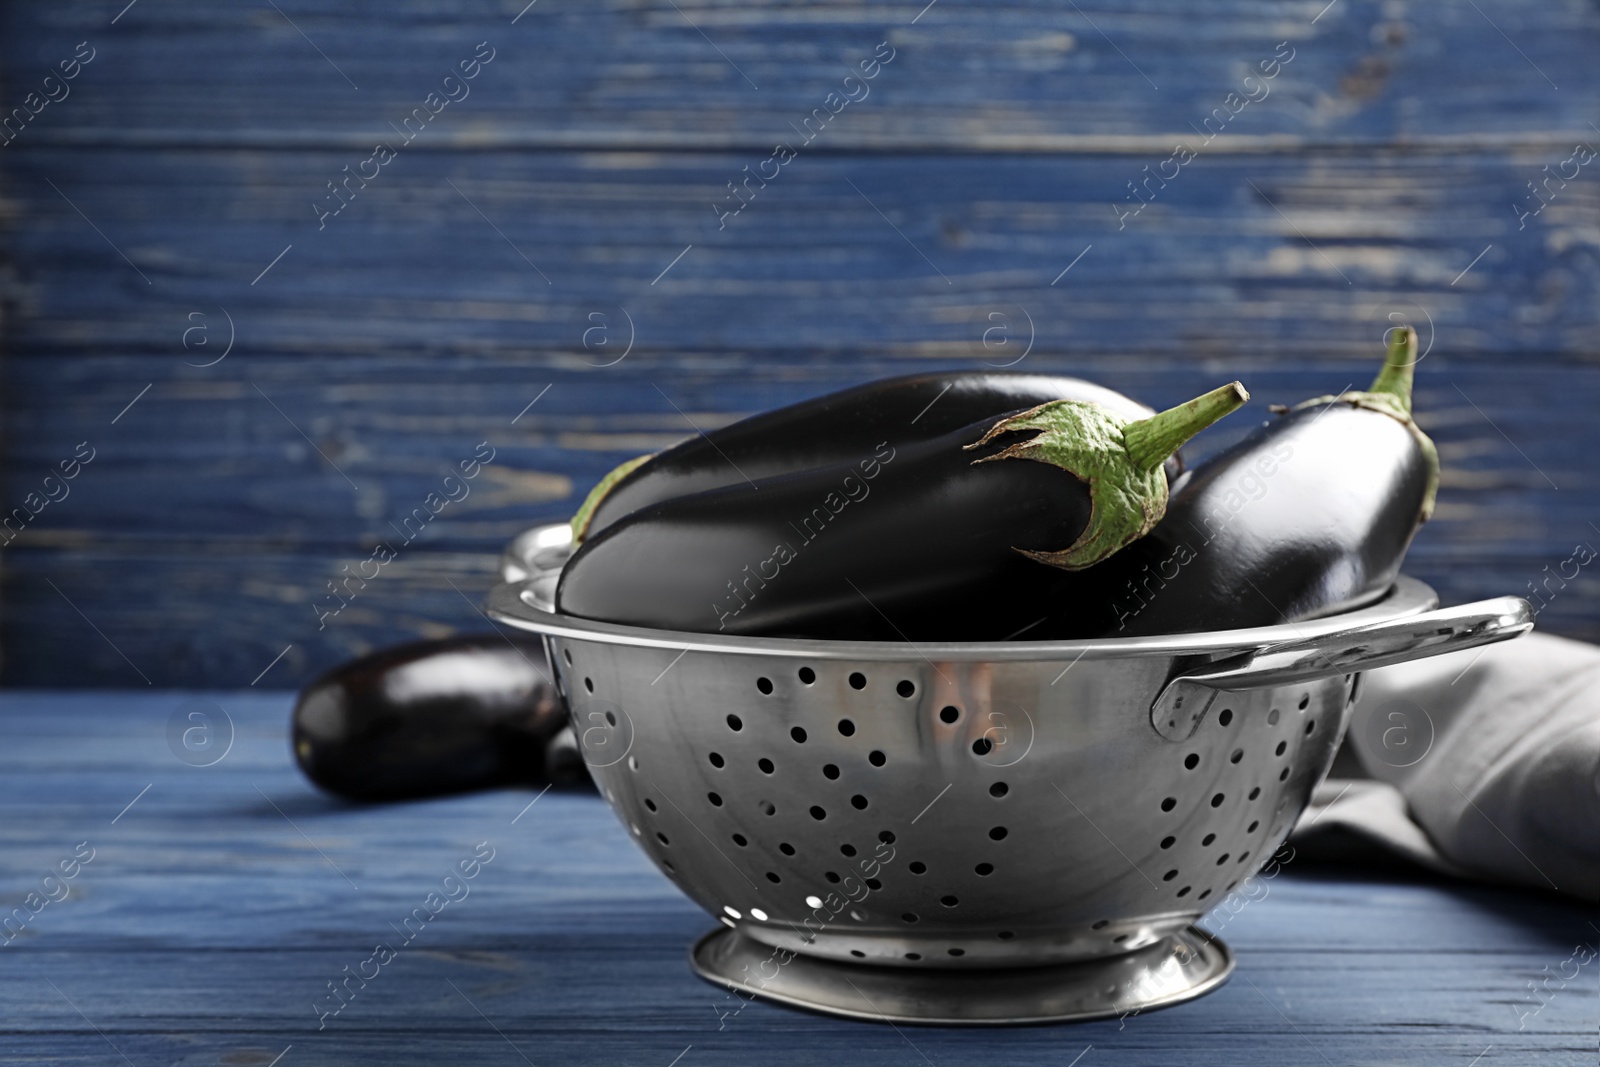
x: 209, y: 908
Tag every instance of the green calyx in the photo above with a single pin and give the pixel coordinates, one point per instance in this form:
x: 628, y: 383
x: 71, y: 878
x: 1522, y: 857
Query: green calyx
x: 585, y: 514
x: 1390, y: 394
x: 1120, y: 459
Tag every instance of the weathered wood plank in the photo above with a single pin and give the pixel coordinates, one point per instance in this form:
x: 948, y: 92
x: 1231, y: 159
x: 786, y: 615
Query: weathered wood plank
x: 965, y: 75
x: 1237, y: 256
x: 206, y: 926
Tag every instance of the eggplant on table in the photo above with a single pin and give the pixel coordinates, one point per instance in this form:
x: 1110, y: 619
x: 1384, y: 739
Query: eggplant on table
x: 948, y: 537
x: 432, y: 717
x: 841, y: 427
x: 1308, y: 516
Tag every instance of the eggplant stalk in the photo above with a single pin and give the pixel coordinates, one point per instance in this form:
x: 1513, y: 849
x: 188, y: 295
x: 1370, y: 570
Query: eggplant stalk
x: 1120, y: 459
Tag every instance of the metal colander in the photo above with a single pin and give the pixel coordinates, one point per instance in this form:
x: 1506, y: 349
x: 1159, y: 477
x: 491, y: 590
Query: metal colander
x: 978, y: 832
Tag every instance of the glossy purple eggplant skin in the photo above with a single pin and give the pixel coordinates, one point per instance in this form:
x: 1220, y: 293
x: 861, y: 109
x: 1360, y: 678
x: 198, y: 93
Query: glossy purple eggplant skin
x: 1308, y: 516
x: 908, y: 541
x: 435, y: 717
x: 842, y: 427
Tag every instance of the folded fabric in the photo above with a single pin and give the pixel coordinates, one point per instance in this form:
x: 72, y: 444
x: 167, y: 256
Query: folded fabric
x: 1482, y: 764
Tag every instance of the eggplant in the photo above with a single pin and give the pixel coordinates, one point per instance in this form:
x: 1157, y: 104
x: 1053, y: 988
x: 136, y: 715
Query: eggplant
x: 840, y: 427
x: 1309, y: 516
x: 948, y: 537
x: 433, y: 717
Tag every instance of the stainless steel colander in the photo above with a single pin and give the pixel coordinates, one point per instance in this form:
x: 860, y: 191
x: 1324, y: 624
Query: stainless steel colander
x: 967, y: 833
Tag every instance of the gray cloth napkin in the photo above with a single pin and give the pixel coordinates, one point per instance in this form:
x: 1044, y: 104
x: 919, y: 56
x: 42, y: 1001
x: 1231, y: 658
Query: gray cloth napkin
x: 1482, y: 764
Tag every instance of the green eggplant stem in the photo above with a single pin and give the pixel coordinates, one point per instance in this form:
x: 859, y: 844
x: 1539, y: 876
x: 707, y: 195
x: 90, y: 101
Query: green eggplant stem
x: 1399, y: 367
x: 1151, y: 441
x: 1120, y: 460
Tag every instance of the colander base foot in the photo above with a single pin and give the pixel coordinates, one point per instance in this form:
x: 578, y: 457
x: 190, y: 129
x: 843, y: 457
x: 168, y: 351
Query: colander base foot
x: 1169, y: 971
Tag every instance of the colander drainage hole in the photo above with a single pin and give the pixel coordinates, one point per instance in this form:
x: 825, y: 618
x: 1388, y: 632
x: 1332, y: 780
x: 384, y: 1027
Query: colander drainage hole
x: 1169, y: 803
x: 998, y: 833
x: 1203, y: 895
x: 876, y: 758
x: 830, y: 771
x: 1169, y: 876
x: 846, y: 727
x: 858, y: 802
x: 874, y: 885
x: 1283, y: 775
x: 913, y: 955
x: 716, y: 759
x: 949, y: 713
x: 858, y: 954
x: 1005, y: 935
x: 611, y: 718
x: 768, y: 808
x: 1255, y: 792
x: 1168, y: 841
x: 1305, y: 701
x: 765, y: 686
x: 735, y: 723
x: 716, y: 801
x: 906, y: 688
x: 649, y: 803
x: 670, y: 868
x: 773, y: 878
x: 949, y: 901
x: 1311, y: 725
x: 1191, y: 761
x: 1225, y: 717
x: 1206, y: 840
x: 807, y: 675
x: 982, y: 746
x: 858, y: 680
x: 1282, y: 746
x: 633, y: 763
x: 1185, y: 891
x: 886, y: 836
x: 1252, y: 827
x: 847, y: 850
x: 1119, y: 939
x: 908, y: 917
x: 588, y: 683
x: 999, y: 789
x: 567, y: 653
x: 818, y: 813
x: 799, y: 735
x: 765, y: 765
x: 956, y: 951
x: 1244, y: 855
x: 1101, y: 924
x: 740, y: 840
x: 1216, y: 801
x: 831, y: 876
x: 983, y: 870
x: 1272, y: 717
x: 786, y: 848
x: 662, y: 838
x: 1222, y: 859
x: 918, y: 867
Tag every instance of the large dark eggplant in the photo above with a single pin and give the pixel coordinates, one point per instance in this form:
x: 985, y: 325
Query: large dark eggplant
x: 1309, y: 516
x: 840, y: 427
x: 945, y: 538
x: 432, y: 717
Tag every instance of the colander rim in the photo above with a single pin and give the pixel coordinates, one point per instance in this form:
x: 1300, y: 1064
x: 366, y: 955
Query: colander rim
x: 520, y: 604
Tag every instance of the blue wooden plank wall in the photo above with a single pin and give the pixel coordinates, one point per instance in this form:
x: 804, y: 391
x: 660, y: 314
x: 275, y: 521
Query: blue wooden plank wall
x: 559, y: 230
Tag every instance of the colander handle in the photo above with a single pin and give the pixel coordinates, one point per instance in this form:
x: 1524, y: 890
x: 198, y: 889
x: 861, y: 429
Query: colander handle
x: 1184, y: 701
